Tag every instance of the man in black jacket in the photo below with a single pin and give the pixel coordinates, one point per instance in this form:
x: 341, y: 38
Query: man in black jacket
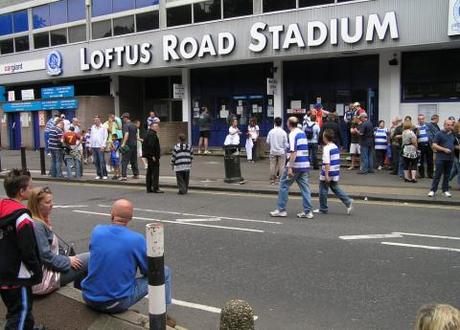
x: 20, y: 266
x: 334, y: 126
x: 151, y: 151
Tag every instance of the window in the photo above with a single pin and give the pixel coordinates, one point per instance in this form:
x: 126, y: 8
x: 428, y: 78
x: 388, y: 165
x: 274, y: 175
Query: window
x: 308, y: 3
x: 58, y: 12
x: 41, y: 40
x: 121, y: 5
x: 6, y: 24
x: 102, y: 7
x: 58, y: 37
x: 179, y: 15
x: 21, y: 43
x: 77, y: 33
x: 147, y: 21
x: 233, y: 8
x: 146, y: 3
x: 41, y: 16
x: 21, y: 23
x: 123, y: 25
x: 76, y: 10
x: 206, y: 11
x: 6, y: 46
x: 430, y: 76
x: 273, y: 5
x: 102, y: 29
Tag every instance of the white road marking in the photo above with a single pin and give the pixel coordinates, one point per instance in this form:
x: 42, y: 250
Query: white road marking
x: 199, y: 220
x: 180, y: 223
x: 371, y: 236
x: 69, y: 206
x: 205, y: 308
x: 427, y: 247
x: 198, y: 215
x: 430, y: 236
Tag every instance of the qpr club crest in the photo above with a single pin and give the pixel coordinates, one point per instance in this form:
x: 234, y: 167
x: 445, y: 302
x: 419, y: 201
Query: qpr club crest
x: 457, y: 11
x: 54, y: 63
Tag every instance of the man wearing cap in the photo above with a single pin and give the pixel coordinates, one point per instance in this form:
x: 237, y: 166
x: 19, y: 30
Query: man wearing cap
x: 319, y: 112
x: 366, y: 133
x: 129, y: 146
x: 358, y: 109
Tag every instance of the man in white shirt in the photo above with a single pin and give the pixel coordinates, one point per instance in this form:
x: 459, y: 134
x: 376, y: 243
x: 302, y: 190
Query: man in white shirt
x: 277, y: 140
x: 312, y: 130
x: 66, y: 123
x: 98, y: 142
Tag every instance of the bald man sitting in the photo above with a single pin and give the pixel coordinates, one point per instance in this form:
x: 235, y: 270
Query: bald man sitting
x: 116, y: 253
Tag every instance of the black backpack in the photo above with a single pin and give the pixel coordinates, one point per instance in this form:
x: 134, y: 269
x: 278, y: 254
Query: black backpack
x: 309, y: 131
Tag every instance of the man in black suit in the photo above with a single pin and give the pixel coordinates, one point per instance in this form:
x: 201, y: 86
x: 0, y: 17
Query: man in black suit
x: 151, y: 151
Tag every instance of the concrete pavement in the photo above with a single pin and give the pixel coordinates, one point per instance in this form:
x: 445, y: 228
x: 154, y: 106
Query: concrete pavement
x: 208, y: 173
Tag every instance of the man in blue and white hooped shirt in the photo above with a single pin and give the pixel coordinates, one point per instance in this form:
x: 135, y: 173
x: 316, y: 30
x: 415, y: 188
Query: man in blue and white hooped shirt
x: 330, y: 175
x: 424, y: 146
x: 381, y: 143
x: 297, y: 170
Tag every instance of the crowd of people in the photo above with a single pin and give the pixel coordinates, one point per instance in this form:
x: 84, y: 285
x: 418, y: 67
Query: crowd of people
x: 114, y: 146
x: 407, y: 149
x: 35, y: 261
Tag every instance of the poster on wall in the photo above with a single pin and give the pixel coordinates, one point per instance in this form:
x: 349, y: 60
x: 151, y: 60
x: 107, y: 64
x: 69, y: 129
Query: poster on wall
x: 340, y: 109
x: 41, y: 118
x: 27, y: 94
x: 25, y: 118
x: 239, y: 109
x: 11, y: 96
x: 270, y: 111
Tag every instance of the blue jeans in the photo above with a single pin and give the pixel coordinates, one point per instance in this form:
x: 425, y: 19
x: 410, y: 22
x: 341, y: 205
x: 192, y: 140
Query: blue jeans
x: 302, y: 182
x: 313, y: 152
x: 140, y: 290
x: 71, y: 162
x: 56, y: 163
x: 443, y: 168
x: 99, y: 162
x: 47, y: 138
x: 455, y: 172
x: 324, y: 189
x: 76, y: 275
x: 367, y: 162
x: 401, y: 166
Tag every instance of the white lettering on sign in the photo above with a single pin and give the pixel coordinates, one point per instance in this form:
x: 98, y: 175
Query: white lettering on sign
x: 131, y: 55
x: 317, y: 32
x: 190, y: 48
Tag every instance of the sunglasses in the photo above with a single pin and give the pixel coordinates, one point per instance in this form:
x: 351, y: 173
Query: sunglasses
x: 44, y: 190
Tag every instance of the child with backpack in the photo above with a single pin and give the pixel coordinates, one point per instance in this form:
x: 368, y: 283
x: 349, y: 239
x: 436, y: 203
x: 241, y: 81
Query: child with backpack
x: 115, y: 156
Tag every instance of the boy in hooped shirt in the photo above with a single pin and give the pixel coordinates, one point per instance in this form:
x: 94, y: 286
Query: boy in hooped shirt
x: 20, y: 266
x: 330, y: 174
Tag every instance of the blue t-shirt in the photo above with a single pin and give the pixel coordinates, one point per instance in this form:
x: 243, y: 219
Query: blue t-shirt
x: 115, y: 254
x: 446, y: 141
x: 114, y: 154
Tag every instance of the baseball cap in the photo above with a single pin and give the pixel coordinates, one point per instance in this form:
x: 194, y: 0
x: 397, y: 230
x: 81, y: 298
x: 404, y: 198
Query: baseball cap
x: 452, y: 118
x: 318, y: 106
x: 356, y: 104
x: 125, y: 115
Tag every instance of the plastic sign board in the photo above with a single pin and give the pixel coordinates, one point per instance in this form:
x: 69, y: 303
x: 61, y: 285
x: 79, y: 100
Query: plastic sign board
x: 178, y: 91
x: 454, y: 18
x: 272, y: 85
x: 27, y: 94
x: 58, y: 92
x: 40, y: 105
x: 22, y: 66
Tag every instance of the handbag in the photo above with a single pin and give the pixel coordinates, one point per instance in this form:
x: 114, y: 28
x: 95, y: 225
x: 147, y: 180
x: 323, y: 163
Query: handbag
x: 51, y: 279
x: 65, y: 249
x: 409, y: 151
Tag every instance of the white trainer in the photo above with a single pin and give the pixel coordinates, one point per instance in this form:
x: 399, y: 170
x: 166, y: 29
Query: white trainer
x: 447, y: 194
x: 431, y: 194
x: 350, y: 208
x: 278, y: 213
x: 97, y: 178
x: 308, y: 215
x: 104, y: 178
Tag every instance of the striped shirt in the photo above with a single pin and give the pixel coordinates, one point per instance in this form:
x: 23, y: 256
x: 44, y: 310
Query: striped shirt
x: 423, y: 134
x: 381, y: 138
x: 49, y: 125
x: 181, y: 158
x: 54, y: 141
x: 298, y: 143
x: 331, y: 157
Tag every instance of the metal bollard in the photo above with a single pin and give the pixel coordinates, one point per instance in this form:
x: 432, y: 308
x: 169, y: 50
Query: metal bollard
x: 156, y: 276
x: 42, y: 161
x: 23, y: 158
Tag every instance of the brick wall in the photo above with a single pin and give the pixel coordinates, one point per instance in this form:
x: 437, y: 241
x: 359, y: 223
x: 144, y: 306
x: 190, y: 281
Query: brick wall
x: 168, y: 134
